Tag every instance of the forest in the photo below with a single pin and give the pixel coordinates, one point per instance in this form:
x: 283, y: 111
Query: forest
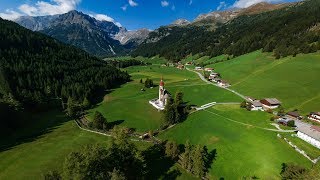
x: 35, y: 69
x: 287, y: 31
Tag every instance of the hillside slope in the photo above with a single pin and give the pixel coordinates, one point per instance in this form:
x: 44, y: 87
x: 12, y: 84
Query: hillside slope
x: 35, y: 68
x: 285, y: 31
x: 293, y: 80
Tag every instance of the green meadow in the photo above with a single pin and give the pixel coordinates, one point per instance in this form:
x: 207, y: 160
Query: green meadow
x: 242, y: 150
x: 293, y: 80
x: 43, y: 146
x: 243, y: 144
x: 130, y: 105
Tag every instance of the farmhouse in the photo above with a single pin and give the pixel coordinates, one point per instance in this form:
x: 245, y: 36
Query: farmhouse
x: 250, y: 99
x: 223, y: 83
x: 209, y: 69
x: 164, y: 95
x: 216, y: 80
x: 310, y: 134
x: 284, y: 120
x: 315, y: 116
x: 198, y: 68
x: 294, y: 115
x: 256, y: 105
x: 180, y: 66
x: 270, y: 103
x: 188, y: 63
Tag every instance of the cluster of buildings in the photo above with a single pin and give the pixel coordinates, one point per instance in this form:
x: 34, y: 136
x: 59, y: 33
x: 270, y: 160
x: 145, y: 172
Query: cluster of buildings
x: 214, y: 77
x: 263, y: 104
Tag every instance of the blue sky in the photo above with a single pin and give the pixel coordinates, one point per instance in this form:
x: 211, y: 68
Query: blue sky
x: 132, y: 14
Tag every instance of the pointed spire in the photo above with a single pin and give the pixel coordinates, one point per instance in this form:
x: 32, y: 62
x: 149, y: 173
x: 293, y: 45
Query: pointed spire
x: 161, y: 82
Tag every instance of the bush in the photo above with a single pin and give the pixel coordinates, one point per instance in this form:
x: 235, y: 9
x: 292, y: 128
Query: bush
x: 291, y: 124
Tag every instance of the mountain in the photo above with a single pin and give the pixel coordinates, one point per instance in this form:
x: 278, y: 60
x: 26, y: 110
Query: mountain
x: 135, y: 37
x: 180, y: 22
x: 81, y: 30
x: 285, y: 29
x: 36, y: 68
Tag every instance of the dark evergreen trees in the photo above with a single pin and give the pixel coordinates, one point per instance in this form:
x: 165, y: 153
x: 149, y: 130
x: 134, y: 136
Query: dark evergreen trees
x: 148, y: 83
x: 286, y: 31
x: 36, y: 69
x: 99, y: 121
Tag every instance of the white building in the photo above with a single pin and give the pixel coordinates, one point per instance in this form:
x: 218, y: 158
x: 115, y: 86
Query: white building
x: 309, y: 133
x: 198, y: 68
x: 164, y: 95
x: 315, y: 116
x: 256, y: 106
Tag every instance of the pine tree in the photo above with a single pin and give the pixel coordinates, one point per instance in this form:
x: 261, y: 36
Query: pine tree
x: 171, y: 149
x: 86, y: 103
x: 169, y: 112
x: 186, y: 156
x: 71, y: 110
x: 99, y: 121
x: 198, y: 167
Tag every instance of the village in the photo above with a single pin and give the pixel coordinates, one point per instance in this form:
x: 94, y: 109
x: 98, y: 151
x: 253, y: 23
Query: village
x: 306, y: 128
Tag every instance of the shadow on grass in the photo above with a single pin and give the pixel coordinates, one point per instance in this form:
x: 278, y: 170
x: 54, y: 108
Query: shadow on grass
x: 28, y: 127
x: 158, y: 164
x: 115, y: 123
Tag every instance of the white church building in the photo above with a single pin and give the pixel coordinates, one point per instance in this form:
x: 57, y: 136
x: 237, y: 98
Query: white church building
x: 161, y: 101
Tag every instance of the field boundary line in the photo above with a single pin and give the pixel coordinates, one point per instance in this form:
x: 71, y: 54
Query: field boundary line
x: 250, y: 125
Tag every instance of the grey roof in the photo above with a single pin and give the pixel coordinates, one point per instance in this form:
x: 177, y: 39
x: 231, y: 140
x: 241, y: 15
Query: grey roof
x: 310, y: 130
x: 256, y: 103
x: 273, y: 101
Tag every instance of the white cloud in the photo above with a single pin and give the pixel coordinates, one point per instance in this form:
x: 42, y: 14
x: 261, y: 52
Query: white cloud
x: 103, y: 17
x: 132, y: 3
x: 10, y: 15
x: 164, y: 3
x: 41, y: 8
x: 45, y: 8
x: 124, y: 8
x: 27, y: 9
x: 173, y: 7
x: 118, y: 24
x: 247, y: 3
x: 222, y: 5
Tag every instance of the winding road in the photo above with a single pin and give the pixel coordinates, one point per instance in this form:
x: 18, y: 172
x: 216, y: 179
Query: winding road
x: 204, y: 107
x: 208, y: 82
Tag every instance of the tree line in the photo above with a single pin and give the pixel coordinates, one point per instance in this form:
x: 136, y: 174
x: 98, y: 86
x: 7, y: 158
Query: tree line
x: 127, y: 63
x: 123, y: 160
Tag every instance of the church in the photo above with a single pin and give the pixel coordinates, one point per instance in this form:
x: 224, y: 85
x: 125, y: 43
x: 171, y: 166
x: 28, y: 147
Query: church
x: 161, y: 101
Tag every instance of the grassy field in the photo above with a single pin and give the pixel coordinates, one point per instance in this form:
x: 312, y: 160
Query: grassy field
x: 46, y: 150
x: 312, y: 151
x: 242, y: 150
x: 244, y: 147
x: 130, y: 106
x: 293, y: 80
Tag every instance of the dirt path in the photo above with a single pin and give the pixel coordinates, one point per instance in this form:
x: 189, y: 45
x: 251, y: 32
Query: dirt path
x: 208, y: 82
x: 250, y: 125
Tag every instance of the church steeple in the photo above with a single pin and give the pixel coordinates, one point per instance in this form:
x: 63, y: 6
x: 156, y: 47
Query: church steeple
x: 161, y: 82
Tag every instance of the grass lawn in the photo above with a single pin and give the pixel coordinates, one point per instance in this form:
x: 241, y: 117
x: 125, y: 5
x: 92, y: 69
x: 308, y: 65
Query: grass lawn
x: 293, y: 80
x: 131, y: 106
x: 47, y: 151
x: 242, y: 150
x: 312, y: 151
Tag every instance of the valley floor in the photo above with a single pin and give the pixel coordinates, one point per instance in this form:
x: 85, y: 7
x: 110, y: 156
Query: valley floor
x: 244, y: 148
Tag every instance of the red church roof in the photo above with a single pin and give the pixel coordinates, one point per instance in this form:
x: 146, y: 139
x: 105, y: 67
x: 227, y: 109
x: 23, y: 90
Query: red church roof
x: 161, y: 82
